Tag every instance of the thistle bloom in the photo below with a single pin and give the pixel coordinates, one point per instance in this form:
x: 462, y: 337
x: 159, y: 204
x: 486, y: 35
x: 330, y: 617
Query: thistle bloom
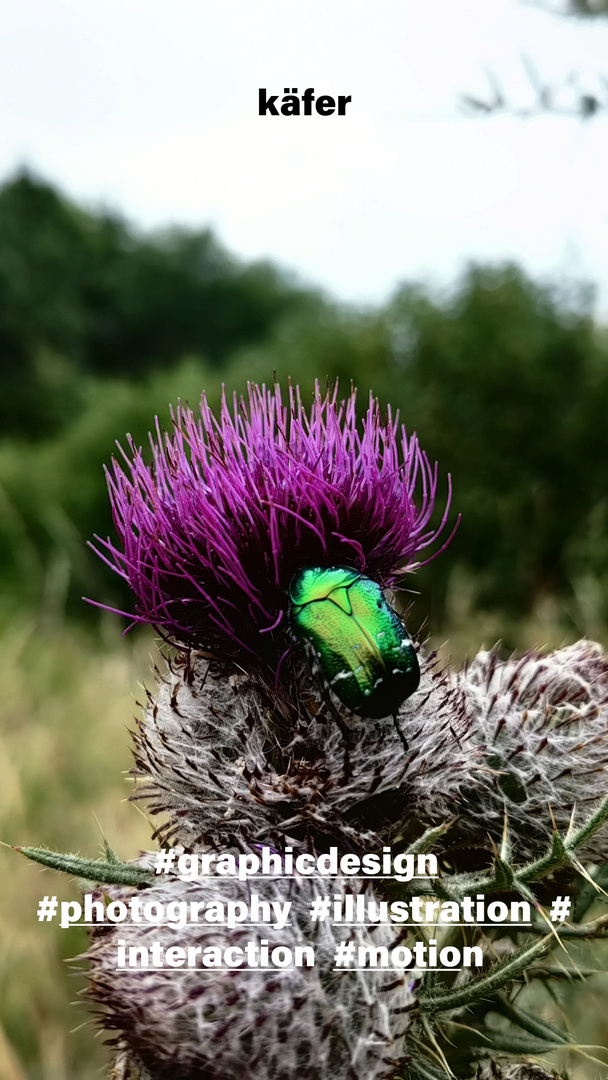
x: 543, y: 723
x: 212, y: 532
x: 255, y: 751
x: 218, y: 1023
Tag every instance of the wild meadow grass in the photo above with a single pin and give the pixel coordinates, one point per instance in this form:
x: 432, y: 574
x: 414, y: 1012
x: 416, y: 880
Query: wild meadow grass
x: 67, y: 701
x: 66, y: 704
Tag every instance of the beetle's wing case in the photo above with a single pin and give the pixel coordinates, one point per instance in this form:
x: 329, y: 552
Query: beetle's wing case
x: 360, y: 642
x: 317, y: 582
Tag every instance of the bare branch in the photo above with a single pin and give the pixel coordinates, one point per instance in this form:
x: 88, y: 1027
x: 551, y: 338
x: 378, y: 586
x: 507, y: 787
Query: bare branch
x: 568, y: 97
x: 568, y: 8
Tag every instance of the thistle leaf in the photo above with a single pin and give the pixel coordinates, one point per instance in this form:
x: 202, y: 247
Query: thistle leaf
x: 102, y: 871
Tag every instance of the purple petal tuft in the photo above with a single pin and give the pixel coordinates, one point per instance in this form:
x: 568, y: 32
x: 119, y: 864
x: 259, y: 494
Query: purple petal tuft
x: 212, y: 532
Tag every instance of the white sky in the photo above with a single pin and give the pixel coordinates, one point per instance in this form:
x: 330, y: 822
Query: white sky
x: 151, y: 108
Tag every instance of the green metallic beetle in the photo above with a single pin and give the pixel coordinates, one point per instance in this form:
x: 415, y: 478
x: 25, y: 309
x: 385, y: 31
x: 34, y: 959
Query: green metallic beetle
x: 360, y: 642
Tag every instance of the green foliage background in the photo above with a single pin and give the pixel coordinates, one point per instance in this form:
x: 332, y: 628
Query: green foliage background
x: 504, y: 378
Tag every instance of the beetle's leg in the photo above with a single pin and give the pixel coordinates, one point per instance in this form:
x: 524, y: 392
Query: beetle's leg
x: 400, y: 733
x: 346, y: 734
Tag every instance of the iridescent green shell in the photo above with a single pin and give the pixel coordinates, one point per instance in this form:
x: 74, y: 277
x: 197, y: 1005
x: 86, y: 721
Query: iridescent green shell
x: 361, y: 644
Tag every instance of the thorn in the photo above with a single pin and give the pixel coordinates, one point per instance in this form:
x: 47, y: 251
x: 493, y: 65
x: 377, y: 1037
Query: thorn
x: 504, y: 845
x: 581, y: 869
x: 571, y: 822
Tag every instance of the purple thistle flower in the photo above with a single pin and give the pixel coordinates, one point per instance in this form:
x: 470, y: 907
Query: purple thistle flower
x: 212, y: 532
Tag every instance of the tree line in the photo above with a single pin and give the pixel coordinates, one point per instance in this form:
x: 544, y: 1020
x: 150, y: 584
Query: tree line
x: 505, y: 379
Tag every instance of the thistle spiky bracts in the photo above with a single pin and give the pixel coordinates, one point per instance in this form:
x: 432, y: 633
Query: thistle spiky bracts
x: 162, y: 1031
x: 217, y: 760
x: 296, y: 1023
x: 543, y: 724
x: 495, y: 1071
x: 168, y: 1026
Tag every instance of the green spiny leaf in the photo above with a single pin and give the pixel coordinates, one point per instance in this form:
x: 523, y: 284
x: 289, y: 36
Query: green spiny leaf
x: 485, y: 985
x: 102, y: 871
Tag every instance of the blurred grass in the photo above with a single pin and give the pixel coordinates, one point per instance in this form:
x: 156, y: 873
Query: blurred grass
x: 66, y: 704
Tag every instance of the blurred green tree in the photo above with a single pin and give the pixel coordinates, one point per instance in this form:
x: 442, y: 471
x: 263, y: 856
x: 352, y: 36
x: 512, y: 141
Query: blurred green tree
x: 83, y: 293
x: 508, y: 380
